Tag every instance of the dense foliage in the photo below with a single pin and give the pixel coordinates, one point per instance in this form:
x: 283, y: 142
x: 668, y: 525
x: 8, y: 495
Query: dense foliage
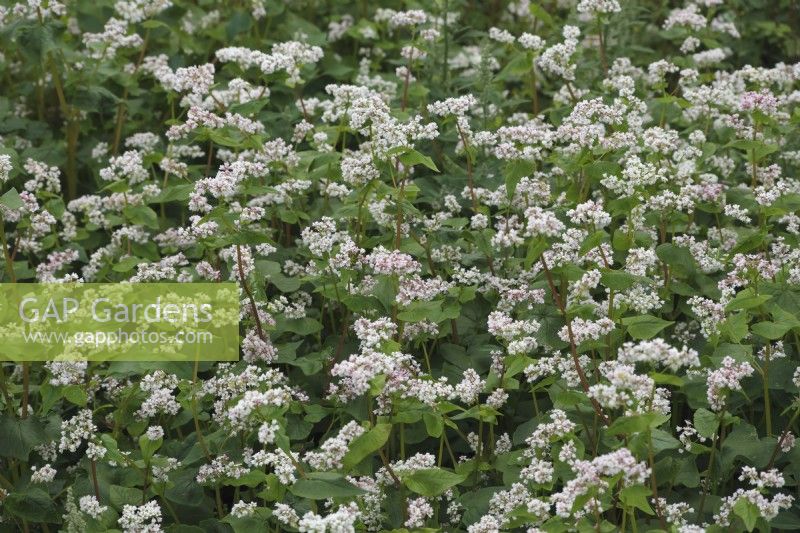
x: 504, y: 266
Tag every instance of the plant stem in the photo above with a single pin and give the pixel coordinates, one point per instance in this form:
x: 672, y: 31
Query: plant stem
x: 573, y: 348
x: 784, y: 433
x: 9, y: 261
x: 26, y: 372
x: 765, y: 380
x: 95, y: 483
x: 710, y: 475
x: 603, y: 58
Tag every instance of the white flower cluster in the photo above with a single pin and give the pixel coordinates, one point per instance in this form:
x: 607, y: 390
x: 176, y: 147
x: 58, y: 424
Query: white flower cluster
x: 333, y: 450
x: 658, y: 352
x: 767, y: 508
x: 141, y: 519
x: 159, y: 386
x: 288, y: 57
x: 725, y: 379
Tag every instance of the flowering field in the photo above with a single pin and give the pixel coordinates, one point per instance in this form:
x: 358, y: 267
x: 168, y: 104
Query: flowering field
x: 502, y: 266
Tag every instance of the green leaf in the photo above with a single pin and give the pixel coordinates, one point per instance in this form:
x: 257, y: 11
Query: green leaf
x: 121, y: 496
x: 258, y: 521
x: 663, y: 441
x: 285, y: 283
x: 11, y: 200
x: 32, y: 504
x: 628, y: 425
x: 672, y: 254
x: 757, y: 148
x: 149, y: 447
x: 432, y: 482
x: 142, y: 215
x: 666, y: 379
x: 593, y: 241
x: 770, y: 330
x: 117, y: 186
x: 77, y: 395
x: 301, y: 326
x: 786, y: 521
x: 536, y: 248
x: 540, y: 13
x: 152, y: 23
x: 750, y: 243
x: 112, y: 450
x: 127, y: 264
x: 636, y: 496
x: 173, y: 193
x: 747, y: 299
x: 645, y: 326
x: 50, y: 395
x: 183, y: 489
x: 366, y: 444
x: 747, y: 511
x: 434, y: 424
x: 411, y: 157
x: 421, y: 310
x: 735, y: 327
x: 783, y: 317
x: 251, y: 479
x: 515, y: 170
x: 620, y: 280
x: 517, y: 66
x: 322, y: 487
x: 706, y: 422
x: 597, y: 170
x: 19, y: 436
x: 743, y: 441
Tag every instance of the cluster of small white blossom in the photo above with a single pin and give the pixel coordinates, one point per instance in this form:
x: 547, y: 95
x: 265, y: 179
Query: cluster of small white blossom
x: 624, y: 388
x: 63, y: 373
x: 141, y: 519
x: 160, y: 399
x: 239, y: 414
x: 597, y: 7
x: 91, y: 506
x: 556, y: 365
x: 343, y: 519
x: 138, y: 10
x: 76, y: 430
x: 44, y: 474
x: 590, y: 474
x: 104, y: 45
x: 154, y: 433
x: 767, y: 508
x: 557, y: 60
x: 710, y: 313
x: 288, y: 57
x: 242, y: 509
x: 391, y: 262
x: 332, y: 451
x: 658, y: 352
x: 5, y: 167
x: 283, y: 465
x: 419, y: 510
x: 547, y: 432
x: 469, y: 387
x: 581, y: 330
x: 220, y: 468
x: 725, y: 379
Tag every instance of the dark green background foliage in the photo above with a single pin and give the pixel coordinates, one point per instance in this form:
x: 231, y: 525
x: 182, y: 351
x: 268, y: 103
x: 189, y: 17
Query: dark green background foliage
x: 479, y: 294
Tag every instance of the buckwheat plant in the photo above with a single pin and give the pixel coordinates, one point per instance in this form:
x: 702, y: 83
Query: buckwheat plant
x: 508, y: 265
